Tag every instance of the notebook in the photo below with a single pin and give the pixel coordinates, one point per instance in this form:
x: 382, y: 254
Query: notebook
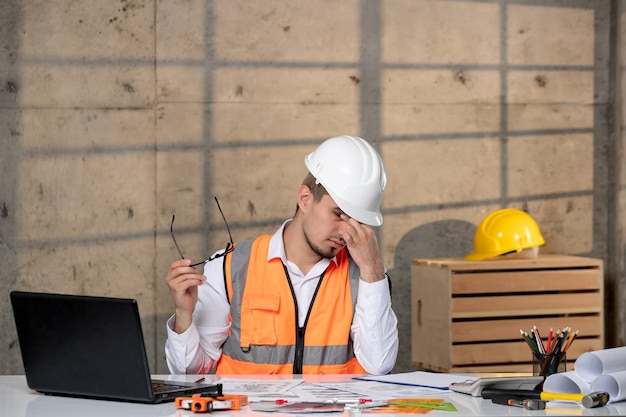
x: 91, y: 347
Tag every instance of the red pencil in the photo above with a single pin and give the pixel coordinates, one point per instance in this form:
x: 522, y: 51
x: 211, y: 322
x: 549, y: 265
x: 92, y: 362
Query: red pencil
x: 549, y: 340
x: 558, y: 343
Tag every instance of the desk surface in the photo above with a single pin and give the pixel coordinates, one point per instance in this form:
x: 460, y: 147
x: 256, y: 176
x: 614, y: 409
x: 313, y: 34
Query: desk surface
x: 17, y: 400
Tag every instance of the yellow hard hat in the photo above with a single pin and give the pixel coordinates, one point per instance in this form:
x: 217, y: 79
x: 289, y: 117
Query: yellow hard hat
x: 504, y: 231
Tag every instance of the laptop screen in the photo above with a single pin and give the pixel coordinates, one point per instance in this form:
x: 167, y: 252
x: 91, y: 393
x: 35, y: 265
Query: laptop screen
x: 81, y: 345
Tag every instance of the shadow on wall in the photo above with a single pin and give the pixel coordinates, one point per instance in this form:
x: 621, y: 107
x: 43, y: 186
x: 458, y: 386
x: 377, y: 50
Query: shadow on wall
x: 441, y: 239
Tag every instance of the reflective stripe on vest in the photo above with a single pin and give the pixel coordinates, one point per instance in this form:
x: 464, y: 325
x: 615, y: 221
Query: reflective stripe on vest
x: 263, y: 332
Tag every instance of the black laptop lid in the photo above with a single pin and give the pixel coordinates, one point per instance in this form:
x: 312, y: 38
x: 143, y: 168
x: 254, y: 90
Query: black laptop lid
x: 82, y: 346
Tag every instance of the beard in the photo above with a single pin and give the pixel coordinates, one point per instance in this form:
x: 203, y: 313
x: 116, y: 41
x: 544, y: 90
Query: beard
x: 327, y: 254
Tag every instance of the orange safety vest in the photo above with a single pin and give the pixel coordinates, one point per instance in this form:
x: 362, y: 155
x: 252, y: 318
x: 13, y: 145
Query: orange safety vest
x: 264, y: 335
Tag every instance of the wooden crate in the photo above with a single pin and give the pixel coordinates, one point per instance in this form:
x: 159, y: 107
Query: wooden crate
x: 467, y: 315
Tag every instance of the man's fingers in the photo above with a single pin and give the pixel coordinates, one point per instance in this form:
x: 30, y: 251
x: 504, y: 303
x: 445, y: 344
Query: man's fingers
x: 186, y: 280
x: 181, y: 277
x: 180, y: 262
x: 181, y: 267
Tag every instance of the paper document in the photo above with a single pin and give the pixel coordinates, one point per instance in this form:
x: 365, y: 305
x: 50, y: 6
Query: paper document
x: 259, y: 387
x: 419, y: 379
x: 378, y: 390
x: 323, y: 391
x: 297, y: 407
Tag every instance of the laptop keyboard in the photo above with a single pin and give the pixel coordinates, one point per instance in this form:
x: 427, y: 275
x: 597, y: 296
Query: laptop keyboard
x: 160, y: 387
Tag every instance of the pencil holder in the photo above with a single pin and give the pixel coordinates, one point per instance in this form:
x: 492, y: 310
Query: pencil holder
x: 548, y: 364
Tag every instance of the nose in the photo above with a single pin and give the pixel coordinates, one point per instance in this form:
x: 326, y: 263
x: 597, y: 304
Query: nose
x: 343, y: 225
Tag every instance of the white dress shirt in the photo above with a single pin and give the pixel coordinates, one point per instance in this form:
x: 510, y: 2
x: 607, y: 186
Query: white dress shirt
x: 374, y: 329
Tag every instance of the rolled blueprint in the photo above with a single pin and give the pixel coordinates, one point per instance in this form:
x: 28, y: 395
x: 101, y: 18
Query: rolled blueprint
x: 591, y: 365
x: 568, y: 382
x: 614, y: 383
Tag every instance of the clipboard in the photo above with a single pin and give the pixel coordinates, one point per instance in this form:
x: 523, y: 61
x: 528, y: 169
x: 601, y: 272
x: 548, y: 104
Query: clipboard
x: 475, y: 387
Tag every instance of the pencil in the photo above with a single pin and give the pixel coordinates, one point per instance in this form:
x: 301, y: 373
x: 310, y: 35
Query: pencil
x: 569, y: 341
x: 566, y: 333
x: 542, y: 349
x: 529, y: 341
x: 559, y: 344
x: 549, y: 344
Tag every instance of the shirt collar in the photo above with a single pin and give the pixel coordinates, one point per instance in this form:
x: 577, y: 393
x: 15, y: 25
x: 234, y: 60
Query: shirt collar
x: 277, y: 245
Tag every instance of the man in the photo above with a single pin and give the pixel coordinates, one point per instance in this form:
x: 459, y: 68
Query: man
x: 312, y: 298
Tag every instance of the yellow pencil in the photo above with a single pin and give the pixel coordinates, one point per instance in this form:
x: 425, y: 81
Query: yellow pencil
x: 571, y: 338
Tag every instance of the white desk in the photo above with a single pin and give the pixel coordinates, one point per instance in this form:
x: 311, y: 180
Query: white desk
x: 17, y: 400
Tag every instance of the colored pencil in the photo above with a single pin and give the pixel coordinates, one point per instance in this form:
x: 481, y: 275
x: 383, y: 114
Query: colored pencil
x: 557, y: 342
x: 569, y: 341
x: 529, y: 341
x: 549, y: 344
x: 540, y: 345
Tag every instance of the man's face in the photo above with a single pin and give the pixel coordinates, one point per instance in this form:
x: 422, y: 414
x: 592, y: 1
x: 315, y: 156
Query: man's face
x: 323, y: 228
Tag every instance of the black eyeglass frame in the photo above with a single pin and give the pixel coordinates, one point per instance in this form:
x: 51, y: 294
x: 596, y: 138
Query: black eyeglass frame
x: 230, y: 246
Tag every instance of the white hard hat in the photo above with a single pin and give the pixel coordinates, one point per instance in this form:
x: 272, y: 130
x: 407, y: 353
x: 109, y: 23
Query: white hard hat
x: 353, y: 173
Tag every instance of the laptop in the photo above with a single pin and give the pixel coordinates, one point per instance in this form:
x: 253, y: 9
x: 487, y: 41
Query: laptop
x: 90, y: 347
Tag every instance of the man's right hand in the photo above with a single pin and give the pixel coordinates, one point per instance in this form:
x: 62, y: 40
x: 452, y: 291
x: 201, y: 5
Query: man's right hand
x: 183, y: 281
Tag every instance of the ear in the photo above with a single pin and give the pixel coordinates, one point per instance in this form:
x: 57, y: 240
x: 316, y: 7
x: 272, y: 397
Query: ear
x: 305, y: 198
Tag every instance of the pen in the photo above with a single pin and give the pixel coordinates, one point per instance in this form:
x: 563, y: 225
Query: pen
x: 199, y: 380
x: 279, y: 401
x: 282, y: 401
x: 347, y: 401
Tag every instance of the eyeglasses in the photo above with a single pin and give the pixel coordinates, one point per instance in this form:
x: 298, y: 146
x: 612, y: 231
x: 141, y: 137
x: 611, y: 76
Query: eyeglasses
x: 230, y: 246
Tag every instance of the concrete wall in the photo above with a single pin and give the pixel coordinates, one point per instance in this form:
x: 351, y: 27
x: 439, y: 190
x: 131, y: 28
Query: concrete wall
x: 617, y: 240
x: 116, y: 114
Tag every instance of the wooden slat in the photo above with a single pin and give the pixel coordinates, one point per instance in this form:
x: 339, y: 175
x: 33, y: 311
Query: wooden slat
x: 526, y: 281
x: 507, y: 352
x: 542, y: 261
x: 487, y: 330
x: 488, y: 370
x: 518, y: 368
x: 524, y: 305
x: 431, y: 317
